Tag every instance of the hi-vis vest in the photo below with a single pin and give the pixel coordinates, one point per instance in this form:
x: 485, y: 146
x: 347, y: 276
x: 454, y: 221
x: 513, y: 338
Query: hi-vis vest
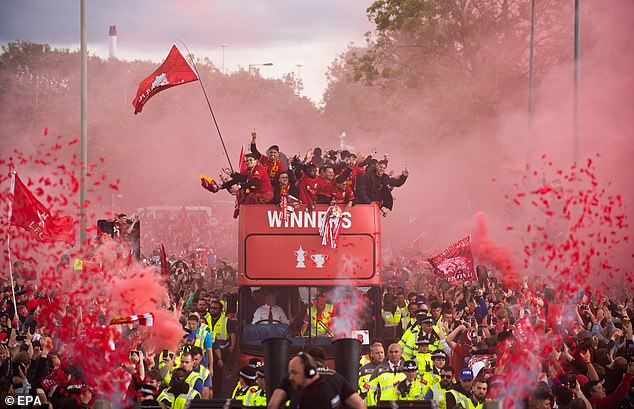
x: 320, y: 323
x: 391, y: 319
x: 402, y: 313
x: 367, y: 390
x: 431, y: 378
x: 180, y: 401
x: 219, y: 329
x: 199, y: 340
x: 416, y: 390
x: 255, y: 396
x: 203, y: 373
x: 439, y: 395
x: 472, y: 405
x: 461, y: 399
x: 386, y: 385
x: 408, y: 343
x: 240, y: 392
x: 424, y: 362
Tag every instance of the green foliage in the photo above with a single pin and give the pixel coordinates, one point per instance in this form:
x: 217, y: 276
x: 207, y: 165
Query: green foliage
x: 443, y: 67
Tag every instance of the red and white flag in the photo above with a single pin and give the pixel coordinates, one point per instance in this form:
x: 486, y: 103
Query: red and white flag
x: 455, y: 263
x: 176, y: 70
x: 146, y: 319
x: 27, y: 212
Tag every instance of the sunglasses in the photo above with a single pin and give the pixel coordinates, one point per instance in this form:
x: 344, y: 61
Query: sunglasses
x: 445, y: 376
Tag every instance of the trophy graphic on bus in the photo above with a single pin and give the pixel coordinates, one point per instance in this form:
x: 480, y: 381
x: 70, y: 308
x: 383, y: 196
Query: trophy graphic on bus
x: 301, y: 257
x: 319, y: 259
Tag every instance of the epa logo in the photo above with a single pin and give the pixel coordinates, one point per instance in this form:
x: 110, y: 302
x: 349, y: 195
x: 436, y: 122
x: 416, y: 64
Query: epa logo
x: 22, y: 400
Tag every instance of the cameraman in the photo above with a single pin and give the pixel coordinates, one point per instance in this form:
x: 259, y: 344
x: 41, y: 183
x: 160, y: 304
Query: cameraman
x: 122, y: 233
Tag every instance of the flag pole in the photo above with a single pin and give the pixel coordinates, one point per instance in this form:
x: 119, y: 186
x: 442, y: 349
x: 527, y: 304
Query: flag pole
x: 15, y: 304
x: 191, y: 60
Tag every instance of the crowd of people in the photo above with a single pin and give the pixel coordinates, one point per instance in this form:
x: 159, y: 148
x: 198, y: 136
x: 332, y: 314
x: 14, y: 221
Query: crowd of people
x: 183, y: 231
x: 525, y: 344
x: 339, y: 178
x: 457, y: 345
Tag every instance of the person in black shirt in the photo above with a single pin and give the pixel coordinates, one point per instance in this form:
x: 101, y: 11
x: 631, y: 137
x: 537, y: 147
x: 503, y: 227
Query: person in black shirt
x: 314, y: 389
x: 376, y: 185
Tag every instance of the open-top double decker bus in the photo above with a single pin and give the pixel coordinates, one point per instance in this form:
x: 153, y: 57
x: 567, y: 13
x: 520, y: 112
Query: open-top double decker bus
x: 325, y: 292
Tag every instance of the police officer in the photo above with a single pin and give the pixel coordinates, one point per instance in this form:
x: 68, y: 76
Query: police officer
x: 424, y: 327
x: 423, y: 356
x: 256, y: 395
x: 439, y: 359
x: 246, y: 381
x: 412, y: 387
x: 437, y: 391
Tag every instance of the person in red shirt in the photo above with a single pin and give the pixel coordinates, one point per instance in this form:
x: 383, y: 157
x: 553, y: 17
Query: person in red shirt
x: 342, y: 193
x: 255, y: 186
x: 595, y: 392
x: 307, y: 183
x: 326, y: 184
x: 270, y: 161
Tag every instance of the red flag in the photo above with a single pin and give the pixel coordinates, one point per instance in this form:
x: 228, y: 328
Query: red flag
x: 186, y: 222
x: 146, y: 319
x: 165, y: 268
x: 174, y: 71
x: 27, y: 212
x: 455, y: 263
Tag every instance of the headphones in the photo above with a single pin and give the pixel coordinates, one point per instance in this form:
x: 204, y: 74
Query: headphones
x: 309, y: 369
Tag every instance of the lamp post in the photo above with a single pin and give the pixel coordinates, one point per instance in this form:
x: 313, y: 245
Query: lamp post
x: 84, y: 123
x: 529, y: 143
x: 577, y: 81
x: 223, y: 45
x: 299, y: 78
x: 252, y: 67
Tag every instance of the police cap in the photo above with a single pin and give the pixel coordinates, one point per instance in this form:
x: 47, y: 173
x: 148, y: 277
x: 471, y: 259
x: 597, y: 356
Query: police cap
x: 410, y: 366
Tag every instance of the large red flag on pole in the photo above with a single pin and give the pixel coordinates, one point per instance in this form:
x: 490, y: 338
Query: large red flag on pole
x: 455, y: 263
x: 176, y: 70
x: 27, y: 212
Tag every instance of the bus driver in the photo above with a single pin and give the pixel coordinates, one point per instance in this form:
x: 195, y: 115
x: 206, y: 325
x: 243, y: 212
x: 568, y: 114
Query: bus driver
x: 270, y: 312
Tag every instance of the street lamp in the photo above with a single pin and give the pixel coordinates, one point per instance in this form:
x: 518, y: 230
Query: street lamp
x: 223, y: 45
x: 299, y: 78
x: 252, y: 68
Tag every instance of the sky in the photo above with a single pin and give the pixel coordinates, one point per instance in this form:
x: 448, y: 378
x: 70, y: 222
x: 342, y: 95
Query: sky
x: 286, y: 33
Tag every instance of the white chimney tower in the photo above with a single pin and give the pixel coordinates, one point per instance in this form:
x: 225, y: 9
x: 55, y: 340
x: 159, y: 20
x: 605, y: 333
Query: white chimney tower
x: 112, y: 41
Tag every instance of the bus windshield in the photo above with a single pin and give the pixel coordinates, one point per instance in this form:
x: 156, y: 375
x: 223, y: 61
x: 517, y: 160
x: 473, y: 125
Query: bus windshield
x: 307, y: 315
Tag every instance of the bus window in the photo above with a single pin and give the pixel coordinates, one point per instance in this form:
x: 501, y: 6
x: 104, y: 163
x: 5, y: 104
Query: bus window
x: 265, y: 312
x: 315, y: 315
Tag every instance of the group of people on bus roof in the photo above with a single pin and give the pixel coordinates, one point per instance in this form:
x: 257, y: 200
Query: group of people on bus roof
x: 343, y: 178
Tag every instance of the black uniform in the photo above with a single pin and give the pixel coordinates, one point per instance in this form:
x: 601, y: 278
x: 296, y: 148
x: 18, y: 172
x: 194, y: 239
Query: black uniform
x: 372, y: 188
x: 329, y: 391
